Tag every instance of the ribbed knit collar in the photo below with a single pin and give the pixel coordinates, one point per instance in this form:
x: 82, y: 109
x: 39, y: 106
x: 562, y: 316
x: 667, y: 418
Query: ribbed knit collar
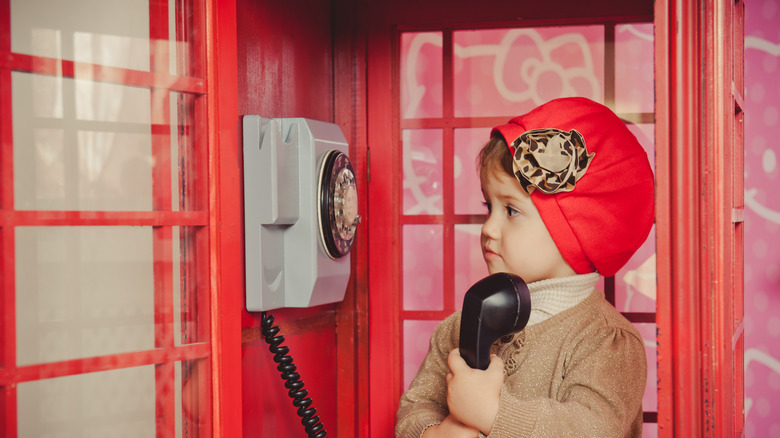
x: 554, y: 295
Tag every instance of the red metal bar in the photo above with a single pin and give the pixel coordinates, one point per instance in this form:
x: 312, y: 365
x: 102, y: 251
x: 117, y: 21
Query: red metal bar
x: 723, y: 331
x: 29, y: 218
x: 609, y: 65
x: 225, y: 237
x: 103, y: 363
x: 100, y: 73
x: 352, y: 335
x: 425, y: 219
x: 428, y: 315
x: 489, y: 122
x: 448, y: 174
x: 165, y: 407
x: 384, y: 229
x: 162, y: 240
x: 683, y: 389
x: 665, y: 385
x: 8, y: 417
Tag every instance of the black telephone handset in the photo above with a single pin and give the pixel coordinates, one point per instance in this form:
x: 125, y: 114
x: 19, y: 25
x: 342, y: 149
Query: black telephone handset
x: 493, y: 307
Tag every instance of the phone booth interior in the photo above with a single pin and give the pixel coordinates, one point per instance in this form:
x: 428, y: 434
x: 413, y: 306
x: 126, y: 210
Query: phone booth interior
x: 417, y: 87
x: 192, y: 158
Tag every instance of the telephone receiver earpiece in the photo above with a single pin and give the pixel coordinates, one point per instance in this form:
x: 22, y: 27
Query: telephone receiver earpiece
x: 497, y: 305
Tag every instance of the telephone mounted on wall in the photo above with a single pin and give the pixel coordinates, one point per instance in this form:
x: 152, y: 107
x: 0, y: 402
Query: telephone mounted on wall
x: 300, y: 219
x: 300, y: 212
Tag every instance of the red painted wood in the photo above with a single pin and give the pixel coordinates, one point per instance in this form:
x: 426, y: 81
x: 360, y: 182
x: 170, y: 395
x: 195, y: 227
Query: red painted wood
x: 225, y: 219
x: 349, y: 53
x: 285, y: 69
x: 102, y: 363
x: 99, y: 73
x: 686, y: 246
x: 92, y: 218
x: 8, y: 418
x: 384, y: 253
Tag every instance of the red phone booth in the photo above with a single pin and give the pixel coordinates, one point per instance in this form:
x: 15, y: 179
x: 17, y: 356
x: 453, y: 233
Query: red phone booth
x: 122, y: 210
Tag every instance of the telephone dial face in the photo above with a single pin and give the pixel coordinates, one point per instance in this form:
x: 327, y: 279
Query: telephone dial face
x: 338, y: 203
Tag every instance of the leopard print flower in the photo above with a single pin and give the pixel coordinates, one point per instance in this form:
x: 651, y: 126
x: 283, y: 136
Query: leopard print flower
x: 550, y: 160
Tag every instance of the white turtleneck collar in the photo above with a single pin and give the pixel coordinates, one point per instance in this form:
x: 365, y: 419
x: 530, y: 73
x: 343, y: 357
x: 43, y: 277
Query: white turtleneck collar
x: 554, y: 295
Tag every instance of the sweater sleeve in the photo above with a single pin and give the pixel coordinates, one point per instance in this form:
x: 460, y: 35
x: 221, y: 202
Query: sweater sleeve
x: 424, y: 404
x: 600, y: 393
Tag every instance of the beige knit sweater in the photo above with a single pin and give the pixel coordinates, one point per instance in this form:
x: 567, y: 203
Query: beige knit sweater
x: 580, y: 372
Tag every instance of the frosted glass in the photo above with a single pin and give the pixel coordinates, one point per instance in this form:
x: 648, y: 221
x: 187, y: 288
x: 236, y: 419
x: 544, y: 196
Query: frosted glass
x: 83, y: 292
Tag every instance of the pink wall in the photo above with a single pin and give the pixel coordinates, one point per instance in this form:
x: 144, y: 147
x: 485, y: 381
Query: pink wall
x: 762, y: 218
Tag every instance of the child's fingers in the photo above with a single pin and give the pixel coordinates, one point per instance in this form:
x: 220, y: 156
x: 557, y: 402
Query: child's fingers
x: 455, y: 362
x: 496, y: 364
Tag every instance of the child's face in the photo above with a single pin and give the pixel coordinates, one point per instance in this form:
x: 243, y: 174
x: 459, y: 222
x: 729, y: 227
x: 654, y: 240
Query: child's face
x: 514, y: 238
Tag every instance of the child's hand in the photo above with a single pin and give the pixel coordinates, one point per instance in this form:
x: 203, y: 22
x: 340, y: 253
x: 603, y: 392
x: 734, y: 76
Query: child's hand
x: 472, y: 394
x: 450, y: 428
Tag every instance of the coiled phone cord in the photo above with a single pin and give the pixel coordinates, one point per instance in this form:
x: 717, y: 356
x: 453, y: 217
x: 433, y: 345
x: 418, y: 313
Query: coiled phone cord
x: 310, y: 422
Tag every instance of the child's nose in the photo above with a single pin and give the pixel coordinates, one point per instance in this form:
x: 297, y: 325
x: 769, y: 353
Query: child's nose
x: 490, y: 227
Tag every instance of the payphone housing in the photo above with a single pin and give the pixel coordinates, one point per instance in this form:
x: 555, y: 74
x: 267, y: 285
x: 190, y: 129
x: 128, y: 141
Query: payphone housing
x: 300, y: 212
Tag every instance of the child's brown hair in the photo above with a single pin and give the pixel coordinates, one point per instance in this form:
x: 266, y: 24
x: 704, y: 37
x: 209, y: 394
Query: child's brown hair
x: 493, y: 156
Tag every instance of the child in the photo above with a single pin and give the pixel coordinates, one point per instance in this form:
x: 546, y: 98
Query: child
x: 569, y: 194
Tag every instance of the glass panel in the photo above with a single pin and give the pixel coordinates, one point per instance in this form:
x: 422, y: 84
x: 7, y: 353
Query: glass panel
x: 417, y: 336
x: 469, y: 265
x: 72, y: 31
x: 650, y: 430
x: 510, y: 71
x: 80, y: 145
x: 634, y: 68
x: 191, y: 285
x: 422, y: 164
x: 118, y: 403
x: 421, y: 75
x: 468, y: 193
x: 635, y: 283
x: 83, y: 292
x: 188, y: 172
x: 648, y: 331
x: 423, y: 274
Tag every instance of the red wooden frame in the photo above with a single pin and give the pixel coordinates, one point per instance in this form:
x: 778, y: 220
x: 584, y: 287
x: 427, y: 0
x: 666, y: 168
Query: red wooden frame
x: 209, y: 335
x: 225, y: 218
x: 700, y: 270
x: 385, y: 227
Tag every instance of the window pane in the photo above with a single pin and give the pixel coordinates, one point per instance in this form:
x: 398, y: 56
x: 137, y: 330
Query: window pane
x: 469, y: 265
x: 417, y: 335
x: 634, y: 68
x: 422, y: 264
x: 421, y: 75
x: 468, y: 194
x: 80, y: 145
x: 648, y: 331
x: 107, y: 33
x: 635, y: 283
x: 116, y: 404
x: 422, y: 164
x: 510, y: 71
x: 83, y: 292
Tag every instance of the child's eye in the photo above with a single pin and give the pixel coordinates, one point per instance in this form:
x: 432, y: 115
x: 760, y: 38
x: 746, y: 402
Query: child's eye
x: 511, y: 211
x: 487, y: 206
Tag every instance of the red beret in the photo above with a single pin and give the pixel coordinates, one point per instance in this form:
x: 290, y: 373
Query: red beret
x: 598, y: 201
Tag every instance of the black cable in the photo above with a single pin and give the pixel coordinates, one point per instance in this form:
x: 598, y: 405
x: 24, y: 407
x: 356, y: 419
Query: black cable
x: 310, y: 422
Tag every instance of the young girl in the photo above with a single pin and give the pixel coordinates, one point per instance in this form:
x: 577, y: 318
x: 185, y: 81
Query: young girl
x: 569, y: 194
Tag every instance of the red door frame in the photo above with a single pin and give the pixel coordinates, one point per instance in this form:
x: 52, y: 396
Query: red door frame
x: 214, y: 21
x: 225, y: 217
x: 698, y: 219
x: 384, y: 192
